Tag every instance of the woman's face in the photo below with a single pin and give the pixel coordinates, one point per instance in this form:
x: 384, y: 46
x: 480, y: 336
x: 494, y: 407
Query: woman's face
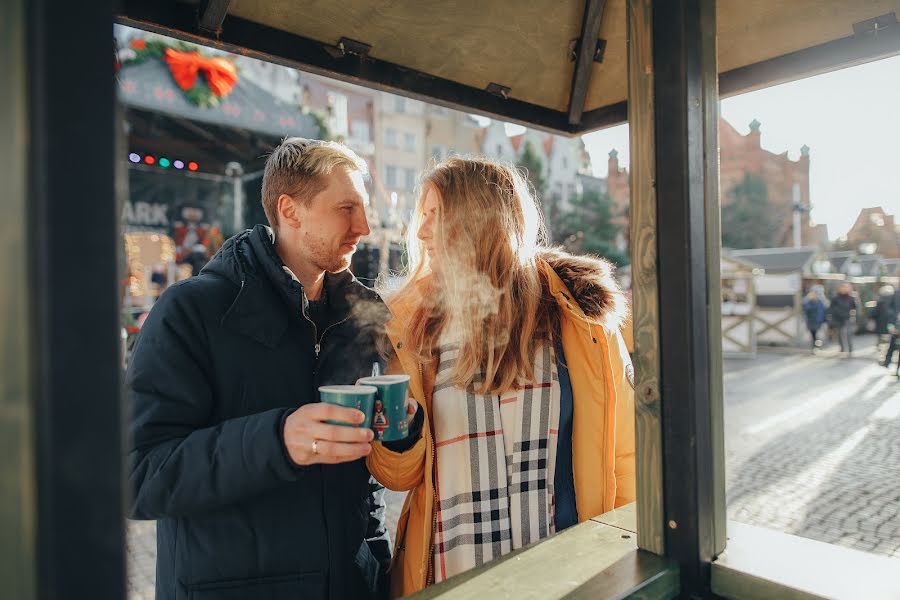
x: 430, y: 227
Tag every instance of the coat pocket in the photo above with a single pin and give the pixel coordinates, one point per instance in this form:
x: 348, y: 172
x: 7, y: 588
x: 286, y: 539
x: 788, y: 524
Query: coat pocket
x: 287, y: 587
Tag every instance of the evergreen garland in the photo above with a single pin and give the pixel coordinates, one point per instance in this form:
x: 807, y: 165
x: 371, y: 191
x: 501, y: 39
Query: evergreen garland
x: 139, y: 50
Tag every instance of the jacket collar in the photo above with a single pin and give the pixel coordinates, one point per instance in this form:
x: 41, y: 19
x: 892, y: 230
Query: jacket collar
x: 270, y: 296
x: 583, y: 286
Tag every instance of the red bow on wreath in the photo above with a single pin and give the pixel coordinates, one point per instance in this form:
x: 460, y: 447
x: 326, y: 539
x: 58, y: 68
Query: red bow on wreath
x: 221, y: 74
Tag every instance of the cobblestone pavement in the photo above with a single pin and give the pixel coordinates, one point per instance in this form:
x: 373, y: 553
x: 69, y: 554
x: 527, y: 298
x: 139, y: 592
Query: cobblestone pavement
x: 813, y: 448
x: 812, y: 445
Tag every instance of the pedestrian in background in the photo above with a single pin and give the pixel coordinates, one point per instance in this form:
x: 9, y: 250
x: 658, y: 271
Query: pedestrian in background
x: 841, y: 311
x: 893, y: 344
x: 885, y: 311
x: 814, y: 311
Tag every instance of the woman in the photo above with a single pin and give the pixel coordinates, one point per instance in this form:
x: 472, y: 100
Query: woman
x: 504, y: 340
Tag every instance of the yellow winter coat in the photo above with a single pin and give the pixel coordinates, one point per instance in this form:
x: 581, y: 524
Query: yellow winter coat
x: 592, y: 310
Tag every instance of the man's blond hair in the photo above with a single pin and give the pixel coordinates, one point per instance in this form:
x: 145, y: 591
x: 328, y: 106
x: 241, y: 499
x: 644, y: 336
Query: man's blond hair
x: 296, y: 168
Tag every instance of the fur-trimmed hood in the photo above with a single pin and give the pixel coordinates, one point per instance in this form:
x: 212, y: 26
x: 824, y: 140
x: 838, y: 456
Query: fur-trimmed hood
x: 592, y: 284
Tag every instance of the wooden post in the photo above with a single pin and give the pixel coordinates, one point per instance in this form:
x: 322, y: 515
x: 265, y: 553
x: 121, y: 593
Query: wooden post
x: 18, y: 576
x: 685, y: 118
x: 673, y: 115
x: 72, y: 240
x: 644, y: 283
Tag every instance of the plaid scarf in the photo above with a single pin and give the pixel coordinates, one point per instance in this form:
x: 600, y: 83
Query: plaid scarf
x: 494, y: 464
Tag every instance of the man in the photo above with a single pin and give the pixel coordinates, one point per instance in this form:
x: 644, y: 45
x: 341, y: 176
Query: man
x: 255, y: 495
x: 840, y: 315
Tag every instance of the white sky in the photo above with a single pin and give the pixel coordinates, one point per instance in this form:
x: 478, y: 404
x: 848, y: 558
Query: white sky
x: 850, y: 119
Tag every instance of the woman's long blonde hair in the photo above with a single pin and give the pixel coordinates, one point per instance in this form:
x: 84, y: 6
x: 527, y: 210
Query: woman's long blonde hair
x: 487, y: 293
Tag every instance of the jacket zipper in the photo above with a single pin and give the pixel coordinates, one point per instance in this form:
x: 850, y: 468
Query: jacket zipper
x: 317, y: 347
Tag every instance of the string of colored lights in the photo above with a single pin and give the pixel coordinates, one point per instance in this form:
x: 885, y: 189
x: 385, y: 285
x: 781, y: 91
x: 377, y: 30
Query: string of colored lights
x: 162, y: 161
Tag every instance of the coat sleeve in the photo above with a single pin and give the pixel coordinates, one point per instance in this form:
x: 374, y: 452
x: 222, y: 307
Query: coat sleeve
x: 398, y: 471
x: 179, y: 462
x: 377, y: 535
x: 623, y: 378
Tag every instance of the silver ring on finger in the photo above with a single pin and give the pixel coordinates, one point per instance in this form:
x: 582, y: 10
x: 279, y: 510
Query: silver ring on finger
x: 315, y: 446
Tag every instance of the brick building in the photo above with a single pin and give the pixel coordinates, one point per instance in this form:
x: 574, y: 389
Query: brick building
x: 874, y: 226
x: 787, y: 181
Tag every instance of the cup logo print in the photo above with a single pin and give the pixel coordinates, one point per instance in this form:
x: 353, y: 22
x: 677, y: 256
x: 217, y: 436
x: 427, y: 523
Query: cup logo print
x: 379, y: 421
x: 389, y: 419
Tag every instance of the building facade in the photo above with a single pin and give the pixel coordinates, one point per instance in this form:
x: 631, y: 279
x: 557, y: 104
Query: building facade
x: 449, y: 132
x: 400, y: 154
x: 875, y: 231
x: 787, y: 181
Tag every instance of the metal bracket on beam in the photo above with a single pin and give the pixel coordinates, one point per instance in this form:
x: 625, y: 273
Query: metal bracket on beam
x: 213, y: 15
x: 498, y: 90
x: 875, y: 25
x: 347, y: 46
x: 599, y: 52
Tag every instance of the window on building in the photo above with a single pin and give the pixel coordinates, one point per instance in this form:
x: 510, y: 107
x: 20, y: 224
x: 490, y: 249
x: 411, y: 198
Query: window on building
x: 399, y: 104
x: 499, y: 149
x: 359, y: 130
x: 338, y: 123
x: 409, y: 141
x: 390, y: 176
x: 439, y: 111
x: 410, y: 179
x: 390, y: 138
x: 438, y: 152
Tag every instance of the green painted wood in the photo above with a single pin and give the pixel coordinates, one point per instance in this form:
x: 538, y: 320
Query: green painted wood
x: 639, y: 574
x: 17, y: 481
x: 581, y: 561
x: 624, y: 517
x: 760, y: 564
x: 644, y: 283
x: 714, y: 297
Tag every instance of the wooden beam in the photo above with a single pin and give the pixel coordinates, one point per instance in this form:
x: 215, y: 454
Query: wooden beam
x: 210, y: 21
x: 644, y: 278
x: 18, y: 504
x: 830, y: 56
x: 600, y: 562
x: 73, y: 261
x: 584, y: 60
x: 684, y: 67
x: 713, y: 297
x: 275, y: 45
x: 608, y: 116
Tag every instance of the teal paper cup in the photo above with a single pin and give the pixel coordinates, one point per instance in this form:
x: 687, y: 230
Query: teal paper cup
x: 360, y: 397
x: 389, y: 419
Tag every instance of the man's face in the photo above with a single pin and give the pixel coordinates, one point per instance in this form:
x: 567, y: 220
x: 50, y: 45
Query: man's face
x: 333, y: 221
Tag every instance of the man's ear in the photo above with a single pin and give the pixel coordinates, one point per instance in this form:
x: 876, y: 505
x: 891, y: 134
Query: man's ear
x: 287, y: 211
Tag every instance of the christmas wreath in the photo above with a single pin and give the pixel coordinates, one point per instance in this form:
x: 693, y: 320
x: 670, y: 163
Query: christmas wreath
x: 186, y: 63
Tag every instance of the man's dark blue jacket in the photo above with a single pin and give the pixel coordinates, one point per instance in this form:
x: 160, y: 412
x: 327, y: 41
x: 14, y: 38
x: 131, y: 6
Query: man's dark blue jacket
x: 221, y: 361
